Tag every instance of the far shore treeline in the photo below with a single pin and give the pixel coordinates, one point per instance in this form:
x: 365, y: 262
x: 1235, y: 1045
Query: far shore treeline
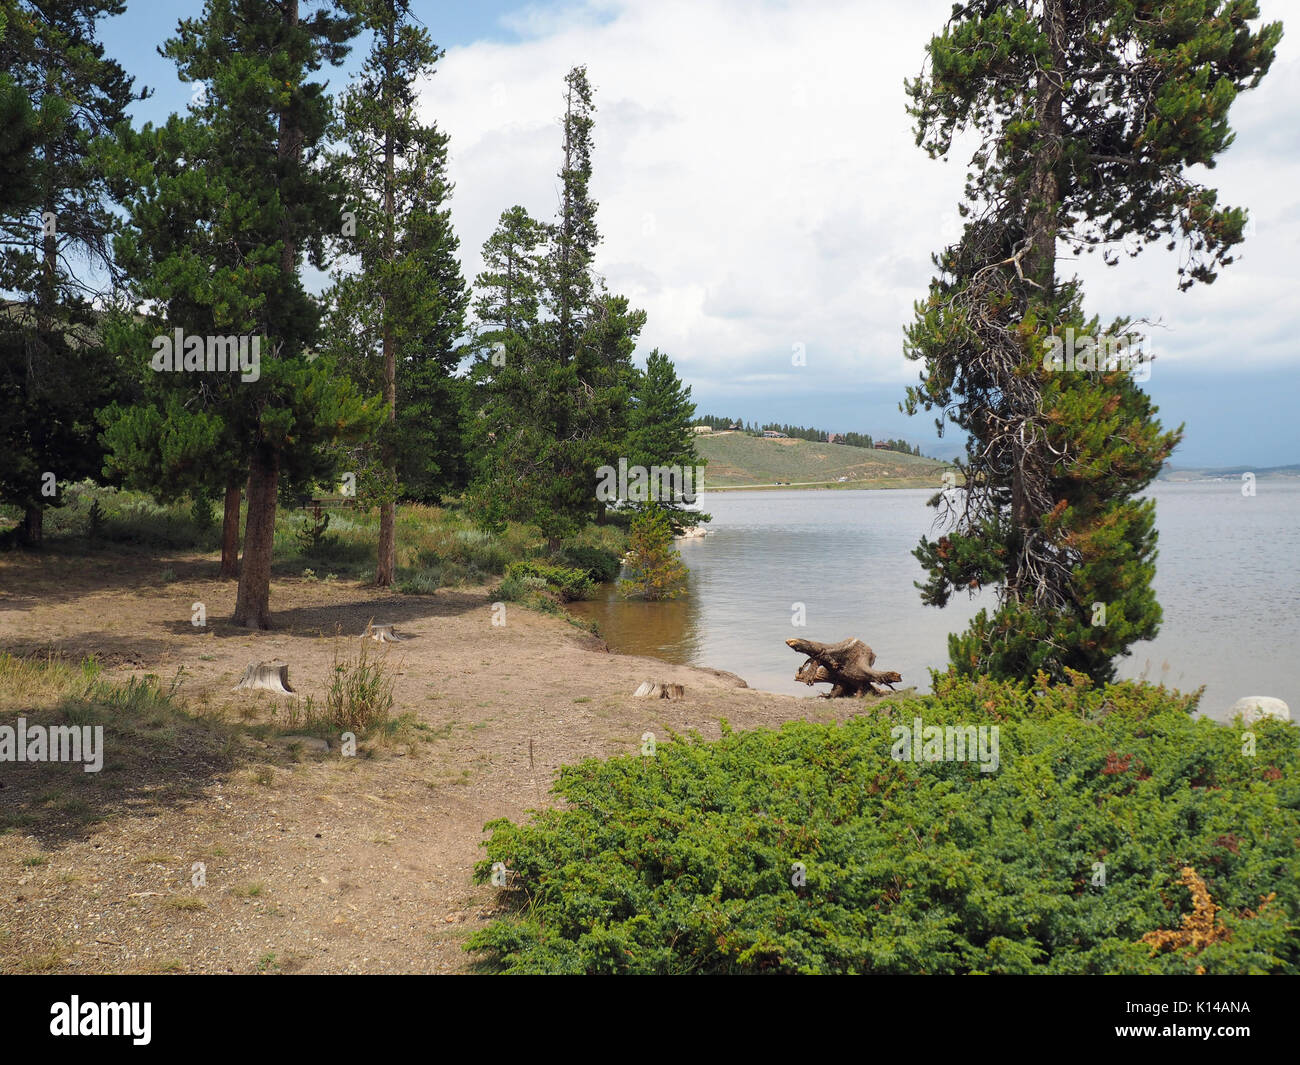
x: 816, y: 436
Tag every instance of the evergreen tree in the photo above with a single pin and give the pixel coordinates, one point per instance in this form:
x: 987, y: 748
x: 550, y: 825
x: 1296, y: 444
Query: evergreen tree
x: 254, y: 139
x: 510, y: 287
x: 1089, y: 116
x: 18, y: 135
x: 60, y: 97
x: 654, y: 568
x: 395, y: 322
x: 554, y: 409
x: 660, y: 432
x: 187, y: 267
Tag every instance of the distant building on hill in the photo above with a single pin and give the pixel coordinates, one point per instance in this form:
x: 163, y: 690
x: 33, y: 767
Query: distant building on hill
x: 735, y: 427
x: 883, y: 447
x: 703, y: 428
x: 772, y: 434
x: 834, y: 438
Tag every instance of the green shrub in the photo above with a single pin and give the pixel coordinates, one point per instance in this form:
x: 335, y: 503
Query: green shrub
x: 310, y: 532
x: 600, y: 565
x: 423, y: 582
x: 203, y: 513
x: 520, y: 588
x: 569, y: 582
x: 95, y: 520
x: 654, y: 568
x: 126, y: 517
x: 1060, y: 861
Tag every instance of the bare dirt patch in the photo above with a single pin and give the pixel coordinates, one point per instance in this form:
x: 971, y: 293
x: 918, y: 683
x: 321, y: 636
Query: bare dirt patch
x: 313, y: 862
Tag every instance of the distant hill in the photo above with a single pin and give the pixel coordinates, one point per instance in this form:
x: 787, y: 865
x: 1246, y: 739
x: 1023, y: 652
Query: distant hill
x: 1221, y: 473
x: 738, y: 460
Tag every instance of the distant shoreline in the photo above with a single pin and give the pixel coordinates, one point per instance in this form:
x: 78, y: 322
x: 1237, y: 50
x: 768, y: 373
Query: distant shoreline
x: 804, y: 485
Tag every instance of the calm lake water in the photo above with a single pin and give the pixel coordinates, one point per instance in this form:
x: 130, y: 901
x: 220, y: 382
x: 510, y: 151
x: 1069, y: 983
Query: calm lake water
x: 1228, y: 578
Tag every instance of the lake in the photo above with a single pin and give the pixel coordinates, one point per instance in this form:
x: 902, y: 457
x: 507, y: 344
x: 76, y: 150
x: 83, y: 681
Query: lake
x: 1228, y: 579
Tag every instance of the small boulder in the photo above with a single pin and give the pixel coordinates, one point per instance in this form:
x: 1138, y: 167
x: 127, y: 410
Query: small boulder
x: 1255, y: 707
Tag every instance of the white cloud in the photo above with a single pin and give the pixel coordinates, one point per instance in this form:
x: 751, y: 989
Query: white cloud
x: 759, y: 184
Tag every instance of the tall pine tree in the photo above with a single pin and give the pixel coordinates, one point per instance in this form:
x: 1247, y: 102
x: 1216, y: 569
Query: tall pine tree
x: 555, y: 409
x: 395, y: 322
x: 1088, y: 115
x: 659, y: 432
x: 255, y: 138
x: 55, y: 246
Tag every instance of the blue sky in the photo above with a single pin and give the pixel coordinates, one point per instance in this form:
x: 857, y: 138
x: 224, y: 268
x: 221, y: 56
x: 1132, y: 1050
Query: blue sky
x: 760, y: 194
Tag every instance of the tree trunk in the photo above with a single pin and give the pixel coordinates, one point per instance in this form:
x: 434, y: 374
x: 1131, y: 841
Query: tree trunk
x: 252, y: 601
x: 33, y: 534
x: 230, y: 533
x: 387, y: 562
x: 288, y: 149
x: 266, y: 676
x: 1044, y: 187
x: 845, y: 665
x: 252, y: 604
x: 1040, y: 232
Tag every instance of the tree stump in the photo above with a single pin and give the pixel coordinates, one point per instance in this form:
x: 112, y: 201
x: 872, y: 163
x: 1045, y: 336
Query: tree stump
x: 267, y: 676
x: 381, y: 634
x: 653, y: 690
x: 846, y: 665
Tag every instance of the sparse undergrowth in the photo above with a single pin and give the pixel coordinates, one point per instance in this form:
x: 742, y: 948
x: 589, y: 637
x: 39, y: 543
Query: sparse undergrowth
x: 437, y: 547
x: 154, y: 749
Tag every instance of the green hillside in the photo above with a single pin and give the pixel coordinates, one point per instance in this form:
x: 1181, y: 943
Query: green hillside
x: 737, y: 460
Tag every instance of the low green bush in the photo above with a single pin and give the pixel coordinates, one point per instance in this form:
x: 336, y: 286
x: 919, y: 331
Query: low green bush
x: 423, y: 582
x: 571, y: 583
x: 813, y: 850
x: 600, y: 565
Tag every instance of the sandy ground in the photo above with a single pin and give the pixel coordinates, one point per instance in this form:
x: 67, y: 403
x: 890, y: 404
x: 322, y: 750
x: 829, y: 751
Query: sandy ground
x: 314, y: 862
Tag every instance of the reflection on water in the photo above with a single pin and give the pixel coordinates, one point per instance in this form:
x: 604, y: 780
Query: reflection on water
x: 1227, y: 578
x: 841, y: 558
x: 669, y: 630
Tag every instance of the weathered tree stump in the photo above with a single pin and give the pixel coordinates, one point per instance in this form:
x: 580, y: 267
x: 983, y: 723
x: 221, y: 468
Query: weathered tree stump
x: 846, y: 665
x: 381, y: 634
x: 268, y: 676
x: 651, y: 689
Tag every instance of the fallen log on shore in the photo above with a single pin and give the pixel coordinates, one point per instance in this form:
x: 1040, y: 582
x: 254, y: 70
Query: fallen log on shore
x: 846, y: 665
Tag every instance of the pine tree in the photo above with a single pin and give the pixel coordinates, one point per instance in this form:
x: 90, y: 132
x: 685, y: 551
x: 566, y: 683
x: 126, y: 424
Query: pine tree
x: 61, y: 98
x: 254, y: 139
x: 660, y: 432
x: 555, y: 404
x: 654, y: 568
x: 396, y: 321
x: 188, y: 267
x: 510, y: 287
x: 1088, y: 116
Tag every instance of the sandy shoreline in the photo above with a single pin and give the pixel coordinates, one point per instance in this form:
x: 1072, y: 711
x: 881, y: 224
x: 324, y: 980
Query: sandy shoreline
x: 313, y: 862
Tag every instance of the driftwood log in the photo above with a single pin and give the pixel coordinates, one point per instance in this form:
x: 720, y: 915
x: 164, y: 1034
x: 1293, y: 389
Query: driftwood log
x: 267, y: 676
x: 846, y: 665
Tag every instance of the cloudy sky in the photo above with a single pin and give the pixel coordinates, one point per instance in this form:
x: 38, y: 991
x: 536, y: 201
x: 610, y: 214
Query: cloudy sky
x: 761, y: 193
